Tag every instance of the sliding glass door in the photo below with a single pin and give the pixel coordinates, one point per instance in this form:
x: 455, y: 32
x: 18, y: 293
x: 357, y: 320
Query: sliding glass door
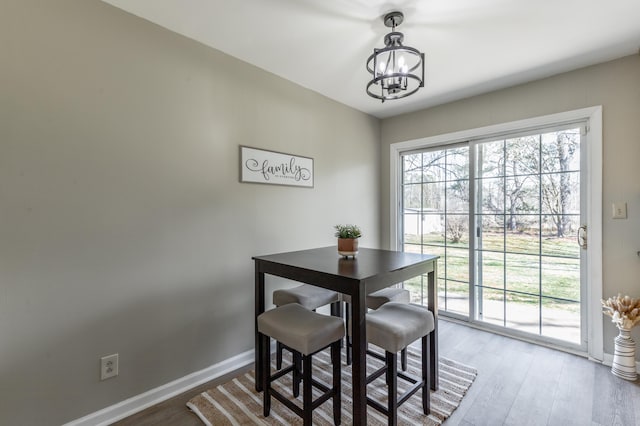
x: 506, y: 237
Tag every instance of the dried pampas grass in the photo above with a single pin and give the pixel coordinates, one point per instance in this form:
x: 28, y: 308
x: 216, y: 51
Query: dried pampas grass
x: 623, y: 310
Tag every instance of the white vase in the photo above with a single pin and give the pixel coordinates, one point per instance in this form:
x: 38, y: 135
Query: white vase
x: 624, y: 356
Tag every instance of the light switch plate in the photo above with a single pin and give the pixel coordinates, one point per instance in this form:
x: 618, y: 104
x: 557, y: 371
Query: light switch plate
x: 619, y: 210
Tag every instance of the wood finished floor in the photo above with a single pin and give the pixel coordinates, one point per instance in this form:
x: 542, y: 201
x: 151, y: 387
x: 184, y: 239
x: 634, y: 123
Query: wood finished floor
x: 518, y: 383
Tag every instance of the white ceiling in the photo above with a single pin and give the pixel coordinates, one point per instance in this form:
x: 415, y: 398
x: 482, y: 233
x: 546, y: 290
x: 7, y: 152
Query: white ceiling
x: 471, y: 46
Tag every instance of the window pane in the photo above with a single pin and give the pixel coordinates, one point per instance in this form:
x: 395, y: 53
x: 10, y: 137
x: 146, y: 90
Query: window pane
x: 522, y: 195
x: 412, y: 227
x: 561, y: 320
x: 433, y: 229
x: 433, y: 197
x: 437, y: 251
x: 414, y: 285
x: 434, y: 166
x: 523, y: 273
x: 561, y: 278
x: 458, y: 163
x: 491, y: 232
x: 457, y: 264
x: 490, y: 195
x: 525, y: 238
x: 412, y: 168
x: 490, y: 305
x: 561, y: 151
x: 559, y: 235
x: 561, y: 193
x: 458, y: 196
x: 412, y: 197
x: 490, y: 269
x: 458, y: 297
x: 522, y: 156
x: 457, y: 230
x: 490, y: 159
x: 412, y: 248
x: 523, y: 312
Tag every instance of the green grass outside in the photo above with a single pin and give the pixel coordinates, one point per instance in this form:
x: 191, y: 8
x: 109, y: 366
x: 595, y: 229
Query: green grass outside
x: 560, y: 271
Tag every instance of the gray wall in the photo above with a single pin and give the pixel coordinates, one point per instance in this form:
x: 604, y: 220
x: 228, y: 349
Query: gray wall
x: 123, y: 227
x: 614, y: 85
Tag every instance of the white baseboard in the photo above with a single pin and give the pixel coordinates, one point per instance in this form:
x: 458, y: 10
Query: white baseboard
x: 130, y: 406
x: 608, y: 360
x: 137, y: 403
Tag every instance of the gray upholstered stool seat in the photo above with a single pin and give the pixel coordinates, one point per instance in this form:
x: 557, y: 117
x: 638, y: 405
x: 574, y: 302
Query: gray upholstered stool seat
x: 300, y: 329
x: 386, y: 295
x: 305, y: 333
x: 310, y: 297
x: 380, y: 297
x: 393, y: 327
x: 374, y: 301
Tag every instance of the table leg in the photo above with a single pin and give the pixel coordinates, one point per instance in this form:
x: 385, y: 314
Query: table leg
x: 359, y: 361
x: 433, y: 337
x: 259, y: 344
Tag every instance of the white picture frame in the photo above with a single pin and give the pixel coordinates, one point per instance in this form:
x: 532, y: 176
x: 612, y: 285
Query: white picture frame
x: 275, y: 168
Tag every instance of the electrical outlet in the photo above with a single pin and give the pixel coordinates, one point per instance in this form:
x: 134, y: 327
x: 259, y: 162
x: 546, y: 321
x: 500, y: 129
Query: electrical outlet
x: 108, y: 366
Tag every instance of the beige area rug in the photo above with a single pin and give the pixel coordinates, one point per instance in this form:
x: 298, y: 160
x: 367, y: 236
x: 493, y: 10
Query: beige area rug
x: 237, y: 402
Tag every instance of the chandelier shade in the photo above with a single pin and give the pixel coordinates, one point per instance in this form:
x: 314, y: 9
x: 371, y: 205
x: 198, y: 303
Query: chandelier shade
x: 397, y: 71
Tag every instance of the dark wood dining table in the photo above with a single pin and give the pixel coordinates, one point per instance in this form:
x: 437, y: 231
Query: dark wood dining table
x: 369, y: 271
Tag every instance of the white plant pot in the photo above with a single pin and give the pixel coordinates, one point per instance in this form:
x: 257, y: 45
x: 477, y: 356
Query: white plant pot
x: 624, y: 356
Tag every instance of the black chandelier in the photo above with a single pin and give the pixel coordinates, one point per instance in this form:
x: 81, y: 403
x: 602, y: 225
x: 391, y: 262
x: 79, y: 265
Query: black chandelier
x: 396, y: 69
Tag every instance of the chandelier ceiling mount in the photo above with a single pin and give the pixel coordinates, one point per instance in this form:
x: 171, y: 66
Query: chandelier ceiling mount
x: 397, y: 70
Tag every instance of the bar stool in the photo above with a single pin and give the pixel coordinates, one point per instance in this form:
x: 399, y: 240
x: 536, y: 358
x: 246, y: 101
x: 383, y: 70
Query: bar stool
x: 374, y: 301
x: 389, y: 294
x: 305, y: 333
x: 310, y: 297
x: 393, y: 327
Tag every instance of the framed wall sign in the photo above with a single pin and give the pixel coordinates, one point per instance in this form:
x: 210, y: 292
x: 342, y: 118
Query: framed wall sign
x: 275, y: 168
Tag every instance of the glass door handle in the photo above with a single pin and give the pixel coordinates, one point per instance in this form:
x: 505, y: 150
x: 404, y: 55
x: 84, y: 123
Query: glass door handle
x: 582, y: 237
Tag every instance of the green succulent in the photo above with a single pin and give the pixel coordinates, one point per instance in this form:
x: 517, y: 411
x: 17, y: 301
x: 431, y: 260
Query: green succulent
x: 347, y: 231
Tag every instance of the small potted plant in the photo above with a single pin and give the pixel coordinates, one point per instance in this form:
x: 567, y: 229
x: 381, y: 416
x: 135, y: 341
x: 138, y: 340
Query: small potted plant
x: 348, y: 239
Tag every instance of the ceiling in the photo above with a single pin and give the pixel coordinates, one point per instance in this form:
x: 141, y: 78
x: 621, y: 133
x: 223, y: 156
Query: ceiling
x: 471, y: 46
